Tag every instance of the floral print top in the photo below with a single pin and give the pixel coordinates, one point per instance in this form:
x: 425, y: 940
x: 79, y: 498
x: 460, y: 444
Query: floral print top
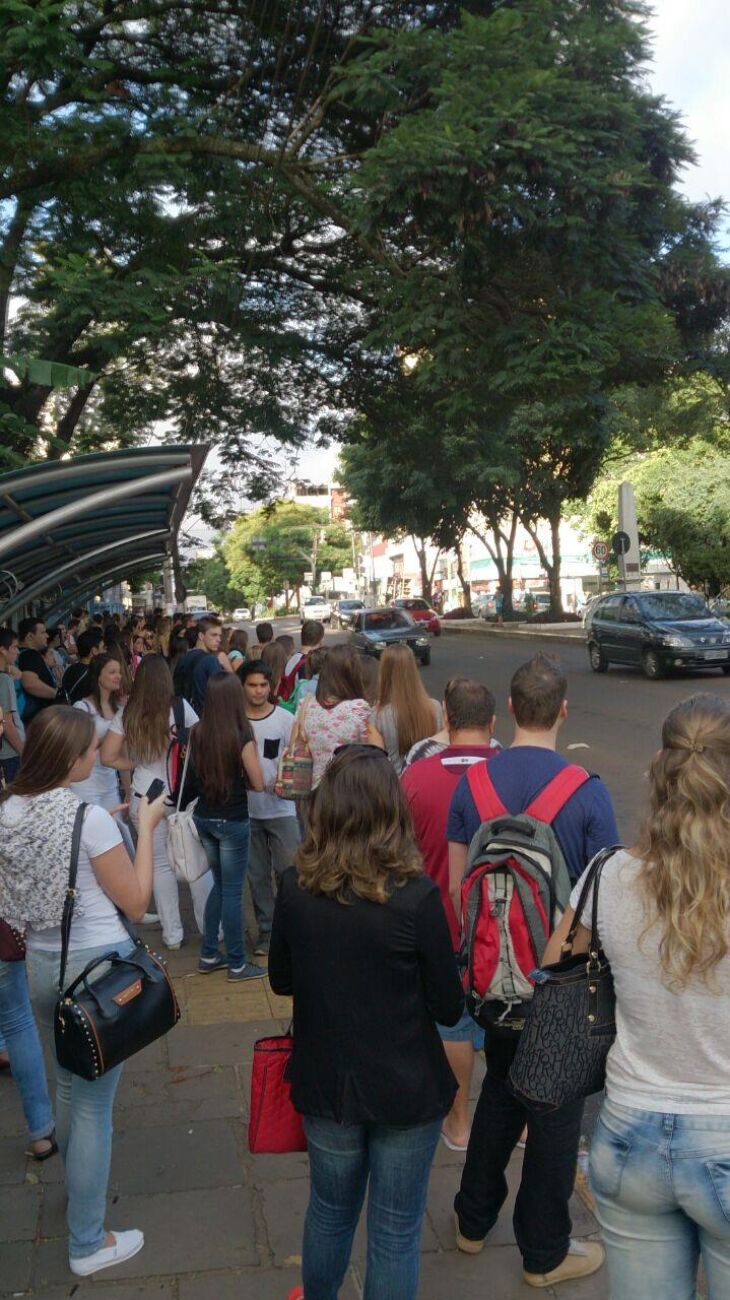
x: 345, y: 723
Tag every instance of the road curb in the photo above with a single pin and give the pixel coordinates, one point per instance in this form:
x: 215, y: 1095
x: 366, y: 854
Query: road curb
x: 480, y: 628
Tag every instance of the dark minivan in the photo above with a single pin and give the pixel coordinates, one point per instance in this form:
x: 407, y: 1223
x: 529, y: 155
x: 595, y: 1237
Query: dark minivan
x: 657, y: 630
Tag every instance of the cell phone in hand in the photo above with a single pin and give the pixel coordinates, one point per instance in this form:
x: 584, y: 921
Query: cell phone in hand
x: 155, y: 789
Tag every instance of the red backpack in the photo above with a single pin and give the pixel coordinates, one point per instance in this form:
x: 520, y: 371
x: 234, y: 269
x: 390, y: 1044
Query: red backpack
x: 515, y: 889
x: 288, y: 683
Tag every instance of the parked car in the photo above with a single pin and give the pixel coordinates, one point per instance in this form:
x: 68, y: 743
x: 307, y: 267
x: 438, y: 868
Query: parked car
x: 344, y: 611
x: 375, y: 629
x: 485, y: 604
x: 420, y: 611
x: 241, y: 615
x: 658, y: 630
x: 315, y: 607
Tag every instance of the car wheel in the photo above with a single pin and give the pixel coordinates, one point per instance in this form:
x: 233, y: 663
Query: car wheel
x: 426, y: 659
x: 597, y: 661
x: 651, y: 664
x: 726, y: 669
x: 437, y: 631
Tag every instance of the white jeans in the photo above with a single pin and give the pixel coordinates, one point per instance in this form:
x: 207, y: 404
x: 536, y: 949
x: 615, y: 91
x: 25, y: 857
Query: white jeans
x: 165, y: 885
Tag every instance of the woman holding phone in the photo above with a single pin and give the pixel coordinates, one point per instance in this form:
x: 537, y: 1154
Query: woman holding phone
x: 37, y: 815
x: 148, y: 727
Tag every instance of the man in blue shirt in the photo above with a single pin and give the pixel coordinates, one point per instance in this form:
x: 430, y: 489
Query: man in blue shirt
x: 586, y: 824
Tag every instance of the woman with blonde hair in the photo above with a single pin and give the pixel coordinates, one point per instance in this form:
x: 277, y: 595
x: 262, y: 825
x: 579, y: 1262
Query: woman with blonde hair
x: 148, y: 726
x: 404, y: 714
x: 360, y: 940
x: 660, y: 1159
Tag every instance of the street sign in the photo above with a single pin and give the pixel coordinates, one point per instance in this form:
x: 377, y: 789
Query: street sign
x: 620, y: 543
x: 600, y: 551
x: 309, y: 576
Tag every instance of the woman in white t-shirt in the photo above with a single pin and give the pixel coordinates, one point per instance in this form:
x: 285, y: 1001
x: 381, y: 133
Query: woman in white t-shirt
x: 37, y: 814
x: 660, y: 1159
x: 102, y: 701
x: 147, y: 724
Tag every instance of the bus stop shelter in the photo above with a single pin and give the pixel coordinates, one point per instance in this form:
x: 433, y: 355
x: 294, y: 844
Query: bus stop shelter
x: 68, y: 527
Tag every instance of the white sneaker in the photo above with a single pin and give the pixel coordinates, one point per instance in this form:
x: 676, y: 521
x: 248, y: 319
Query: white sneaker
x: 126, y: 1244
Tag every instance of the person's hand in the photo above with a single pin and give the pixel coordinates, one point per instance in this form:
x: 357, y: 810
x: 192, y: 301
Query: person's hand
x: 119, y: 808
x: 151, y: 814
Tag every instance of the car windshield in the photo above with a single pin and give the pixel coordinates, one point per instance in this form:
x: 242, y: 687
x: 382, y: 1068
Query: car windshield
x: 315, y: 600
x: 351, y: 604
x: 384, y: 620
x: 667, y: 607
x: 413, y: 604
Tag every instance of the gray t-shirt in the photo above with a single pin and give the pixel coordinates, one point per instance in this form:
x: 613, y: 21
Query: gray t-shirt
x: 672, y: 1050
x: 9, y: 704
x: 384, y: 720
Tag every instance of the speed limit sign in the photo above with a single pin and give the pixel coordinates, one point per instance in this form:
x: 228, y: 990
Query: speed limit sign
x: 600, y: 551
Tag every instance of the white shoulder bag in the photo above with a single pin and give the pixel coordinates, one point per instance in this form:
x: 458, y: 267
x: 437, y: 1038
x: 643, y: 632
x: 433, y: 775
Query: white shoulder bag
x: 187, y: 856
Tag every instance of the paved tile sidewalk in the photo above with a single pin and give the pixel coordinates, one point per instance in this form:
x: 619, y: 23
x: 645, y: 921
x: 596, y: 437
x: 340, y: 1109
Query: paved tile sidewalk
x: 220, y: 1224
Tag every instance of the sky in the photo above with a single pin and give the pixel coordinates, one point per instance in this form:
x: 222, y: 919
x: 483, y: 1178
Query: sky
x: 691, y: 69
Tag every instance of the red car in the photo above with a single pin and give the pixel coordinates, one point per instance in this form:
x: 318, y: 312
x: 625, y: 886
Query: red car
x: 420, y: 610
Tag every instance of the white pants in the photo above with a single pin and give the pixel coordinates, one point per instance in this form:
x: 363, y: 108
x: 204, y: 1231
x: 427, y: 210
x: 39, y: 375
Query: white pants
x: 165, y: 885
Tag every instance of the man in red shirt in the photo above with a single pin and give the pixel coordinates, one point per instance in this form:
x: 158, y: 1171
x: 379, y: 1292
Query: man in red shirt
x: 429, y: 785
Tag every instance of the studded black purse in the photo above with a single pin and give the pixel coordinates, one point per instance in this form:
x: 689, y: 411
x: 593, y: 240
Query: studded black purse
x: 99, y: 1023
x: 571, y: 1020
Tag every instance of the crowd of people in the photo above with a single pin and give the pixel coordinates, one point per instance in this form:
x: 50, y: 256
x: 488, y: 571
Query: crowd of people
x: 356, y: 912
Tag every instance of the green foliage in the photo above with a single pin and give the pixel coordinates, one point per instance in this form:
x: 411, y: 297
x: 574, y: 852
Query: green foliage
x: 210, y: 575
x: 287, y: 533
x: 679, y: 476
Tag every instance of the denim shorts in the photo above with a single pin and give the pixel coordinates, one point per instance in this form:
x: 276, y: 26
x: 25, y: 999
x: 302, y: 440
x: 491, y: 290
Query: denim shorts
x: 465, y: 1031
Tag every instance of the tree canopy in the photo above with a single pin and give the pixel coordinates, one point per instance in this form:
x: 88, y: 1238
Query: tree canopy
x: 245, y: 220
x: 269, y: 550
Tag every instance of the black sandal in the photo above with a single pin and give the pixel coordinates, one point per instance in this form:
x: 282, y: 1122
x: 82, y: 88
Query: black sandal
x: 40, y: 1156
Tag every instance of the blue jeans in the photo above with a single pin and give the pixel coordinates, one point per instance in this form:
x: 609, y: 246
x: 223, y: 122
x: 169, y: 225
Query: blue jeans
x: 662, y: 1188
x: 342, y: 1157
x: 83, y: 1108
x: 19, y: 1036
x: 226, y: 847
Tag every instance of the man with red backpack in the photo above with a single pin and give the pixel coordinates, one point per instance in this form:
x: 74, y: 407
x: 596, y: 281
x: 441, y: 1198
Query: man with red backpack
x: 520, y: 831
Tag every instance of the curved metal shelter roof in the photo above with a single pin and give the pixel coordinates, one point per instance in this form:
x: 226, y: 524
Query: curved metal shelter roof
x: 68, y: 525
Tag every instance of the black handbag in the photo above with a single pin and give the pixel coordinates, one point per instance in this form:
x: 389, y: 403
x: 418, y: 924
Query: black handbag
x: 98, y: 1023
x: 571, y: 1020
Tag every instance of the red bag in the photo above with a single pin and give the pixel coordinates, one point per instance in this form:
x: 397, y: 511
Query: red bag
x: 274, y: 1127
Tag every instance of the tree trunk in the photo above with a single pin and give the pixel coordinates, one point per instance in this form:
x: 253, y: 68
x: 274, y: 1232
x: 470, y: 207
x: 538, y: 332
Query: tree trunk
x: 465, y: 586
x: 421, y: 545
x: 502, y: 550
x: 552, y: 565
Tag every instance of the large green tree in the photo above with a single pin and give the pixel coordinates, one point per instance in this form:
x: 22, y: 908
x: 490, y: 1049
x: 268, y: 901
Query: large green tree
x: 269, y: 550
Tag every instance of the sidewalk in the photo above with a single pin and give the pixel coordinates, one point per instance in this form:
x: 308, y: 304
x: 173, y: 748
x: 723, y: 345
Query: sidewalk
x: 565, y: 633
x: 219, y: 1223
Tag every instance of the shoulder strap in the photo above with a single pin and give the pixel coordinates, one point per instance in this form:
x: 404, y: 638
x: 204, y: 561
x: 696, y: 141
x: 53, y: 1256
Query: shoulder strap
x: 178, y: 713
x: 553, y: 797
x: 69, y: 900
x: 481, y: 786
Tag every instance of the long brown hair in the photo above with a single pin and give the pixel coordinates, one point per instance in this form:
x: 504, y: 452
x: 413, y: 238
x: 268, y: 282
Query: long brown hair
x: 340, y: 677
x: 360, y: 838
x: 401, y: 687
x: 147, y: 713
x: 56, y: 737
x: 274, y: 655
x: 685, y: 841
x: 93, y: 685
x: 220, y: 736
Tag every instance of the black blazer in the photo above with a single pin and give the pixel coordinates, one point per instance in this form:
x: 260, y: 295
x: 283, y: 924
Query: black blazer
x: 370, y: 981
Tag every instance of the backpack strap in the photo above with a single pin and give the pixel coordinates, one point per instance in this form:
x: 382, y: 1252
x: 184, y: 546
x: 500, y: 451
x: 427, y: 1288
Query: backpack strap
x: 553, y: 797
x: 178, y: 713
x: 481, y: 786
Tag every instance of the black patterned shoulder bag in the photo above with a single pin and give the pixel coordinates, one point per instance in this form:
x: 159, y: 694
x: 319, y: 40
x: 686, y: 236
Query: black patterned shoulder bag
x: 571, y: 1021
x: 98, y: 1023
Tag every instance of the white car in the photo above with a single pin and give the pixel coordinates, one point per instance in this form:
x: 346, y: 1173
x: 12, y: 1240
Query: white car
x: 241, y: 615
x: 316, y: 607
